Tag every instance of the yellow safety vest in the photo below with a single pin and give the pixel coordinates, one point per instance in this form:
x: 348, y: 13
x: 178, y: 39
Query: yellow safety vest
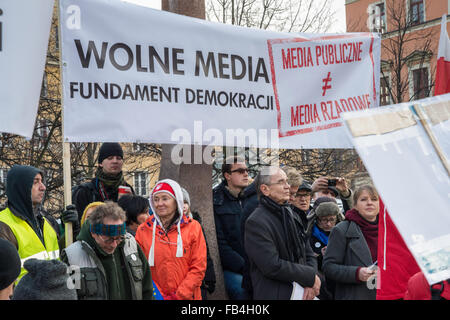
x: 30, y: 246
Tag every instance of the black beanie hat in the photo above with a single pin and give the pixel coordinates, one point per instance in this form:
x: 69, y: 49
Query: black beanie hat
x: 109, y: 149
x: 45, y: 280
x: 10, y: 264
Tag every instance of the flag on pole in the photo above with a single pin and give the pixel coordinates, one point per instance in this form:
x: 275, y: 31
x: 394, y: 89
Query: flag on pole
x: 395, y: 262
x: 443, y: 61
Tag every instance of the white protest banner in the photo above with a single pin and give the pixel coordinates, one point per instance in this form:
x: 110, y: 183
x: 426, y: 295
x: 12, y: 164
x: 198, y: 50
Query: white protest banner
x: 318, y: 79
x: 142, y: 75
x: 24, y: 34
x: 408, y: 165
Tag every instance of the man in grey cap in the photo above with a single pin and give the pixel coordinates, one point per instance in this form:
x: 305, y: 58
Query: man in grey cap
x: 301, y: 201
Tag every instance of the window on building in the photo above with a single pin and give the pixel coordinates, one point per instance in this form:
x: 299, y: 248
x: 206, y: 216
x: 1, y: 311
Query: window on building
x: 377, y: 15
x: 43, y: 128
x: 306, y: 156
x: 56, y: 36
x: 3, y: 173
x: 42, y: 131
x: 416, y: 11
x: 140, y: 183
x: 384, y: 91
x: 6, y: 140
x: 138, y: 147
x: 44, y: 88
x: 380, y: 18
x: 420, y: 83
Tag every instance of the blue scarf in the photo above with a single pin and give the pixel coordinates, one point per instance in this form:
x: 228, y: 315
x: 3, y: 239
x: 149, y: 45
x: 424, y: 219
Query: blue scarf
x: 319, y: 234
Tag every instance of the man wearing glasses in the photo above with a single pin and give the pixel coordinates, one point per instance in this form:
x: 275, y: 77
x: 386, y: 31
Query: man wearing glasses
x: 228, y: 201
x: 301, y: 201
x: 277, y: 249
x: 107, y: 262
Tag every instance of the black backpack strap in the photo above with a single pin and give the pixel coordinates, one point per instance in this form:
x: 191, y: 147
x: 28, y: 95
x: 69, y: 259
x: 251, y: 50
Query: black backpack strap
x: 86, y: 185
x: 437, y: 292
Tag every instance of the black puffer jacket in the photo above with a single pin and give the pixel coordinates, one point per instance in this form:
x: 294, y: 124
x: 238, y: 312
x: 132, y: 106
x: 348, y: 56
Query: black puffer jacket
x: 227, y: 217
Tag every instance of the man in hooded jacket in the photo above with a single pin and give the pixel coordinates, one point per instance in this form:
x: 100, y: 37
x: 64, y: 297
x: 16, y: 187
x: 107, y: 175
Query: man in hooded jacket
x: 23, y: 222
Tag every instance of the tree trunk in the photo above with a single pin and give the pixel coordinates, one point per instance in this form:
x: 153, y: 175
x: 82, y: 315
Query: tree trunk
x: 191, y: 8
x: 195, y: 178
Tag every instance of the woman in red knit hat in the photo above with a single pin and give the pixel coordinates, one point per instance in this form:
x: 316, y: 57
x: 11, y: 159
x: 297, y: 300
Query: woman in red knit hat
x: 174, y: 244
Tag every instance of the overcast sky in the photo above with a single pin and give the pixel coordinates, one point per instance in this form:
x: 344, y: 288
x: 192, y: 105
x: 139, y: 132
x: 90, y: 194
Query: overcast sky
x: 339, y: 6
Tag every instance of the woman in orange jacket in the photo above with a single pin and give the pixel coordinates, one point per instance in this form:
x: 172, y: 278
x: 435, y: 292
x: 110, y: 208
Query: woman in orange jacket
x: 174, y: 244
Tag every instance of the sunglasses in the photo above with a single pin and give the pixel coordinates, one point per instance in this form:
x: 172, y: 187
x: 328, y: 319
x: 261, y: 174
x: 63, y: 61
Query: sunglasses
x: 240, y: 170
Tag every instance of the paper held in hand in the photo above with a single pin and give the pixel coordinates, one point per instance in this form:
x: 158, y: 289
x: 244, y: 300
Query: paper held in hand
x: 297, y: 292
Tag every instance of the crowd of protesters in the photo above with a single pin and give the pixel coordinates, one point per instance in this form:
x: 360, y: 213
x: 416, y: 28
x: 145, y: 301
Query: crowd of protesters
x: 274, y: 236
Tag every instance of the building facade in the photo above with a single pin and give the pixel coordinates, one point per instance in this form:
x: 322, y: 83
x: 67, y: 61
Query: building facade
x: 409, y: 42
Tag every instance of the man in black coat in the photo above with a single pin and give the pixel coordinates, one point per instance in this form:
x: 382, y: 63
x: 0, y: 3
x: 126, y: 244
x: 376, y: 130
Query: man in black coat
x: 228, y: 202
x: 276, y: 245
x: 108, y: 178
x: 301, y: 202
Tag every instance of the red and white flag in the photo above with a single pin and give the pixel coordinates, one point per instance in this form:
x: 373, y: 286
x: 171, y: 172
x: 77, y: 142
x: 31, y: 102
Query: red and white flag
x: 443, y: 61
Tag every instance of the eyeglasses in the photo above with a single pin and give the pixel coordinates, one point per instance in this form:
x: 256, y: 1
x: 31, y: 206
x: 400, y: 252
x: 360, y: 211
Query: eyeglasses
x: 301, y: 195
x: 280, y: 182
x: 110, y: 240
x: 329, y: 220
x: 240, y: 170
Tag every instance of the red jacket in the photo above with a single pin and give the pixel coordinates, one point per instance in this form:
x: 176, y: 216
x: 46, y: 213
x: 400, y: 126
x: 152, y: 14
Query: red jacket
x: 176, y: 277
x: 395, y: 261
